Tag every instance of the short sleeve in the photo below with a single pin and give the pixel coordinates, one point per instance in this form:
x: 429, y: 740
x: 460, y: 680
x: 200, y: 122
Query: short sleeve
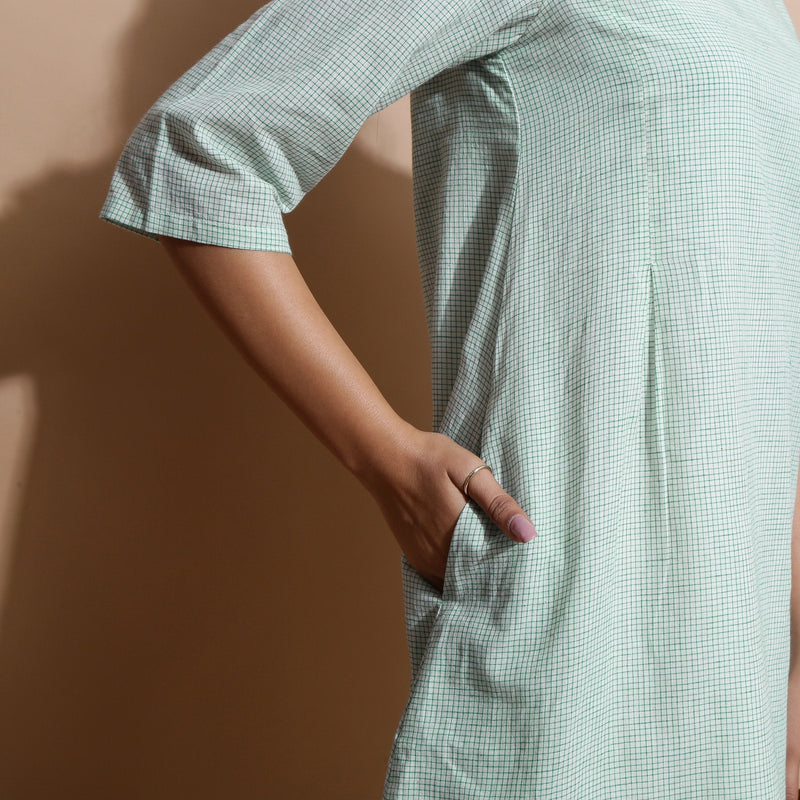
x: 255, y: 124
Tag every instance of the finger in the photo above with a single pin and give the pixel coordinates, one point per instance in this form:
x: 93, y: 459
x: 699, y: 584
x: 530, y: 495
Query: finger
x: 503, y: 509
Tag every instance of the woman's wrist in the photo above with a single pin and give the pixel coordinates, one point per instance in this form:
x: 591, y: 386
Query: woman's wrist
x: 384, y: 452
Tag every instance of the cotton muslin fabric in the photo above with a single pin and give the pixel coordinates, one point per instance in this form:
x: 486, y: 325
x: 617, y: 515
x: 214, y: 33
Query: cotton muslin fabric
x: 607, y: 206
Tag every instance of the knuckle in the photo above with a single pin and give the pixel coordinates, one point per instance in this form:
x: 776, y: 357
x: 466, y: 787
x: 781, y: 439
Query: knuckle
x: 501, y: 506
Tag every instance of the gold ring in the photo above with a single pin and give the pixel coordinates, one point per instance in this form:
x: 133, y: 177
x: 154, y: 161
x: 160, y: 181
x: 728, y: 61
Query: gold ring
x: 469, y: 478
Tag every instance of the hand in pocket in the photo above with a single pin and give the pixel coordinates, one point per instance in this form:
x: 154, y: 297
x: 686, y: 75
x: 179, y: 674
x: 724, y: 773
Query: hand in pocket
x: 422, y: 500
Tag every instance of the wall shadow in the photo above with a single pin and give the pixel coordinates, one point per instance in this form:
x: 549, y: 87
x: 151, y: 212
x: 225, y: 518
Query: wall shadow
x: 200, y: 601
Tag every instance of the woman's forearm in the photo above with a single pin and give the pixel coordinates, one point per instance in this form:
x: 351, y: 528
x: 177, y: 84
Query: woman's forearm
x: 265, y: 306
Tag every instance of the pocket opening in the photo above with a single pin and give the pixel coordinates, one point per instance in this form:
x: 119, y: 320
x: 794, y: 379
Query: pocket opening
x: 423, y: 602
x: 446, y: 594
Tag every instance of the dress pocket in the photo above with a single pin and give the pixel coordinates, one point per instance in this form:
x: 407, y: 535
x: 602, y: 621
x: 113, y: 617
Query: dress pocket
x: 455, y: 543
x: 422, y: 600
x: 449, y: 587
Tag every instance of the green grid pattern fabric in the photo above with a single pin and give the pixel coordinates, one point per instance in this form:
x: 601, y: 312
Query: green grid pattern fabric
x: 607, y: 206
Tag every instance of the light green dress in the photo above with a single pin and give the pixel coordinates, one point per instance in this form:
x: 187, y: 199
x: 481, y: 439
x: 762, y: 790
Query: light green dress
x: 607, y: 199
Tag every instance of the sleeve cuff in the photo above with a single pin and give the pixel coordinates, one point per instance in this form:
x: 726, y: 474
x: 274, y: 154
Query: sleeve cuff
x: 271, y: 236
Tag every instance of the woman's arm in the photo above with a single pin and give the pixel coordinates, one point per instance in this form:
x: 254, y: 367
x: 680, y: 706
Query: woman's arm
x: 794, y: 658
x: 793, y: 696
x: 266, y: 308
x: 262, y: 302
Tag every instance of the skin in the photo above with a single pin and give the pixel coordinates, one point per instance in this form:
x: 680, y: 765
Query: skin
x: 261, y: 301
x: 263, y: 304
x: 793, y: 697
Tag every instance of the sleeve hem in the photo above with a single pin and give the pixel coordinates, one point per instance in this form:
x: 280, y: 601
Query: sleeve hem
x: 198, y: 230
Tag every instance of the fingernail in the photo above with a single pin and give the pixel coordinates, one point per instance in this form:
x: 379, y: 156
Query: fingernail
x: 522, y: 528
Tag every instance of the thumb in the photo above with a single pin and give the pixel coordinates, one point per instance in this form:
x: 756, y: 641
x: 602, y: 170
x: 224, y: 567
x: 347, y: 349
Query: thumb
x: 503, y: 509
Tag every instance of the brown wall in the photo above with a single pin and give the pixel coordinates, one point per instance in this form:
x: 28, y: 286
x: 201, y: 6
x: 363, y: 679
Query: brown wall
x: 196, y: 600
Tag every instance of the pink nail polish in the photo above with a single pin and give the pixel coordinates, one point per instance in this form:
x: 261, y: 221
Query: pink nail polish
x: 521, y: 528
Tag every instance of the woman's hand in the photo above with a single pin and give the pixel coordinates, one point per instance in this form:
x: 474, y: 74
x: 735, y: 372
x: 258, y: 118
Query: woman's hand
x: 423, y: 500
